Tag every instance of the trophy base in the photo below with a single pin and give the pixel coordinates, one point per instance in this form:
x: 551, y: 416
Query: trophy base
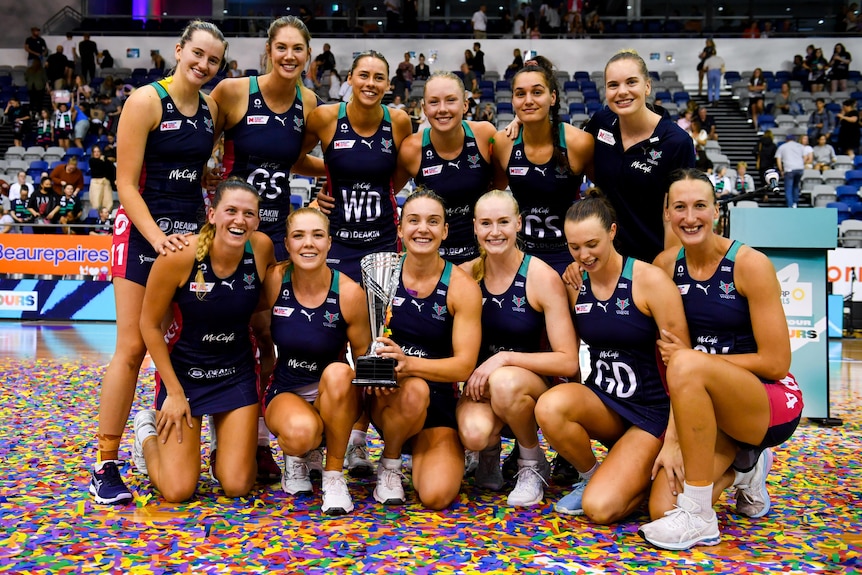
x: 375, y: 371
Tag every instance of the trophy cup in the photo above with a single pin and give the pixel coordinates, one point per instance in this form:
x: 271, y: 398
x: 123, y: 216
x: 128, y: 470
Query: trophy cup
x: 380, y: 274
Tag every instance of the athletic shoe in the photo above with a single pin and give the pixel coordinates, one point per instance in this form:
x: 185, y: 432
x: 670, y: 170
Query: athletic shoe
x: 356, y: 460
x: 314, y: 460
x: 488, y: 473
x: 106, y: 485
x: 336, y: 496
x: 295, y: 480
x: 532, y: 478
x: 572, y: 504
x: 510, y: 464
x: 144, y: 426
x: 752, y: 497
x: 389, y: 490
x: 563, y: 472
x: 268, y: 470
x: 471, y: 462
x: 212, y: 466
x: 682, y: 527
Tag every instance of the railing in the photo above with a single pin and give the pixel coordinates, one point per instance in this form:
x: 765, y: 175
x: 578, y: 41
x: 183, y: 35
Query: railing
x: 57, y: 24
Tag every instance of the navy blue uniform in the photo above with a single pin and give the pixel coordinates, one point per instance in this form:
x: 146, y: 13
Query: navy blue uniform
x: 509, y: 322
x: 719, y: 322
x: 210, y: 340
x: 636, y: 180
x: 624, y: 370
x: 422, y: 327
x: 365, y: 218
x: 307, y: 339
x: 261, y: 149
x: 544, y: 193
x: 460, y: 182
x: 175, y: 155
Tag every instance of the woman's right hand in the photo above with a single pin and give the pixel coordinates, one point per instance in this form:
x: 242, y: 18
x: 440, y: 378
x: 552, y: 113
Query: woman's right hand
x: 171, y: 243
x: 670, y: 457
x: 325, y: 202
x: 175, y: 409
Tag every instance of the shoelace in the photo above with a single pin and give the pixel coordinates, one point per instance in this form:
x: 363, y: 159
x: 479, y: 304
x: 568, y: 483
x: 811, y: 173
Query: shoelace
x: 361, y: 449
x: 527, y: 469
x: 298, y: 469
x: 111, y: 473
x: 390, y: 476
x: 334, y: 482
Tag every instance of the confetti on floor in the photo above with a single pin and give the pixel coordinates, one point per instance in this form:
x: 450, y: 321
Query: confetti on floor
x: 48, y: 523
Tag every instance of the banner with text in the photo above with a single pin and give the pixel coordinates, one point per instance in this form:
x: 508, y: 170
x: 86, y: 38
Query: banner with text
x: 58, y: 254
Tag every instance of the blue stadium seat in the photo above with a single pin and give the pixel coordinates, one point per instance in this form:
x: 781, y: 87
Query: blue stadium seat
x: 40, y: 165
x: 844, y: 211
x: 571, y: 86
x: 581, y: 75
x: 505, y: 107
x: 853, y: 178
x: 681, y: 97
x: 577, y: 108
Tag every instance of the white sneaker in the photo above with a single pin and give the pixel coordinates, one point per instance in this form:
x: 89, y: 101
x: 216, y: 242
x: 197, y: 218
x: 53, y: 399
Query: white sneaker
x: 336, y: 496
x: 314, y: 460
x: 389, y: 490
x: 295, y: 479
x: 752, y: 497
x: 682, y: 527
x: 356, y: 460
x: 532, y: 477
x: 145, y: 426
x: 488, y: 472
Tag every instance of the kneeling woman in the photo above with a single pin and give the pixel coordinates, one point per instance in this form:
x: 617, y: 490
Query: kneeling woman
x: 206, y: 363
x: 436, y: 332
x: 732, y: 396
x: 519, y: 294
x: 316, y: 311
x: 621, y: 305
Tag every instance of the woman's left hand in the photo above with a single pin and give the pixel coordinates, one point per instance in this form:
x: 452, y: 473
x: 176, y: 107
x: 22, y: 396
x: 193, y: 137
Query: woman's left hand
x: 477, y: 382
x: 669, y: 344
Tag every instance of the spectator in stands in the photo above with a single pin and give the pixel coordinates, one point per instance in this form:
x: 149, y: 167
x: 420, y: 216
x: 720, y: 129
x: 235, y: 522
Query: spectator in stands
x: 593, y: 24
x: 743, y: 183
x: 817, y: 70
x: 487, y: 114
x: 790, y: 160
x: 807, y: 152
x: 57, y: 68
x: 19, y: 209
x: 752, y: 31
x: 35, y: 45
x: 7, y: 222
x: 698, y: 135
x: 233, y: 70
x: 36, y: 81
x: 5, y: 202
x: 848, y: 128
x: 839, y: 67
x: 87, y: 51
x: 102, y: 176
x: 158, y: 60
x: 70, y: 210
x: 821, y: 121
x: 105, y: 59
x: 43, y: 206
x: 19, y: 118
x: 532, y: 28
x: 18, y: 184
x: 397, y: 103
x: 470, y: 82
x: 765, y: 153
x: 517, y: 61
x: 705, y: 54
x: 785, y: 102
x: 824, y: 154
x: 407, y: 69
x: 82, y: 92
x: 721, y: 182
x: 684, y: 120
x: 707, y: 123
x: 334, y: 86
x: 45, y: 129
x: 799, y: 72
x: 81, y: 123
x: 103, y: 225
x: 67, y: 173
x: 399, y: 86
x: 518, y: 26
x: 480, y: 23
x: 422, y: 71
x: 756, y: 90
x: 393, y: 15
x: 478, y: 60
x: 714, y: 68
x: 109, y: 150
x: 63, y: 124
x: 322, y: 64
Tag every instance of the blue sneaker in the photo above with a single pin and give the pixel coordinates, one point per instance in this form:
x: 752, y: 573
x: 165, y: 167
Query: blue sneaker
x: 572, y: 504
x: 106, y: 485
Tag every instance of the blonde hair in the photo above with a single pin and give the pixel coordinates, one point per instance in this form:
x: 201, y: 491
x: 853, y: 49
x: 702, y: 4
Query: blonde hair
x: 629, y: 54
x: 479, y: 265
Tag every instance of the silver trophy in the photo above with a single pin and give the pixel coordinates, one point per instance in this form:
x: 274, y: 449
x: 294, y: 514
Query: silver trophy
x: 380, y: 274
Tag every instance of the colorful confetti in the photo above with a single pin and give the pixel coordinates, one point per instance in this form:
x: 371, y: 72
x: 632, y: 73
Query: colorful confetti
x: 48, y: 523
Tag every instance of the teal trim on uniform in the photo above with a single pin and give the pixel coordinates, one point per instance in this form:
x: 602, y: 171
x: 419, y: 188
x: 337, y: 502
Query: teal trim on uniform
x: 426, y: 137
x: 248, y: 248
x: 731, y: 253
x: 785, y: 227
x: 253, y: 87
x: 386, y: 114
x: 336, y: 281
x: 681, y: 254
x: 163, y: 93
x: 342, y: 110
x: 563, y: 135
x: 467, y: 129
x: 447, y: 271
x: 525, y: 263
x: 627, y: 268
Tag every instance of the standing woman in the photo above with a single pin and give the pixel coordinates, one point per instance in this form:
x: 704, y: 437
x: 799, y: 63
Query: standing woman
x: 452, y: 158
x: 708, y: 50
x: 756, y: 95
x: 840, y: 68
x: 619, y: 310
x: 436, y: 332
x: 360, y: 141
x: 732, y: 397
x: 520, y: 294
x: 165, y: 139
x: 206, y: 361
x: 636, y: 148
x: 315, y: 313
x: 542, y: 166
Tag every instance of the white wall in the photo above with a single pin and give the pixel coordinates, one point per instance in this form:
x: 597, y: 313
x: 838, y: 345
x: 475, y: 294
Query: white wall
x: 584, y: 54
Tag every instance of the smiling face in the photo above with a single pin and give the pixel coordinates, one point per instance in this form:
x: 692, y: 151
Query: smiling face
x: 289, y: 52
x: 531, y: 97
x: 626, y: 87
x: 444, y: 103
x: 235, y: 216
x: 423, y: 226
x: 199, y: 58
x: 308, y: 239
x: 590, y: 243
x: 496, y: 223
x: 691, y: 210
x: 369, y: 79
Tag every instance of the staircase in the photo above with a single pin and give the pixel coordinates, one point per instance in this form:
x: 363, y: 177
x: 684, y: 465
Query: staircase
x: 737, y: 137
